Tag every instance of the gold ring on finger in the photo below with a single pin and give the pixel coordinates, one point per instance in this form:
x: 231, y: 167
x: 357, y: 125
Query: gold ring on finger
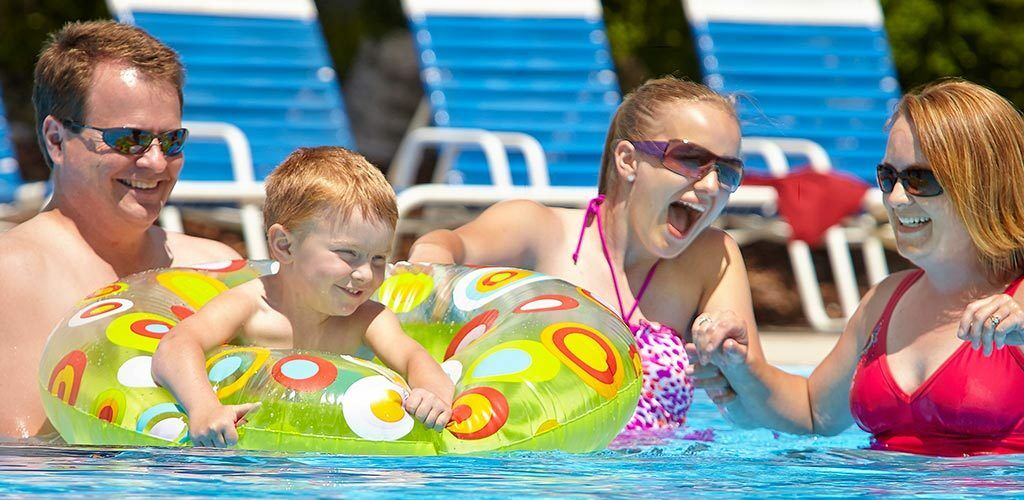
x: 994, y: 320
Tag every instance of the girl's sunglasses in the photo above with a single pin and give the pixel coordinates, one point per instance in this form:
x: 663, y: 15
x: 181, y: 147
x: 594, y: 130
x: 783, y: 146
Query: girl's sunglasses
x: 133, y: 141
x: 694, y: 161
x: 916, y: 181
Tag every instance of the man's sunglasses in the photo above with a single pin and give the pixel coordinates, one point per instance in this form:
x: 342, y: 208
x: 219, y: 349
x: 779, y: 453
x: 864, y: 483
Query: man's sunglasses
x: 694, y: 161
x: 916, y: 181
x: 133, y: 141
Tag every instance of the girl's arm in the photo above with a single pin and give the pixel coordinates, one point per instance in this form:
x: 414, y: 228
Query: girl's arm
x: 509, y: 233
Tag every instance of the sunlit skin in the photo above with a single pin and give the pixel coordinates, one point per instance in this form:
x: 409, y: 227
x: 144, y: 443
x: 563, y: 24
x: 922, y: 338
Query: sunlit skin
x: 318, y: 300
x: 94, y: 230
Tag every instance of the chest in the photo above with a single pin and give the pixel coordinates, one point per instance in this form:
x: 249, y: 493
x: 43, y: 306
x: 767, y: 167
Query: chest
x: 912, y: 357
x: 667, y: 299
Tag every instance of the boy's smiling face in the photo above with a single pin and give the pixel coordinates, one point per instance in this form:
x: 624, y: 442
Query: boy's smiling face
x: 341, y: 263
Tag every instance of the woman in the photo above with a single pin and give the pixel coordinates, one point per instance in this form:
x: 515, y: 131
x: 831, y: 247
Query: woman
x: 928, y: 364
x: 668, y: 167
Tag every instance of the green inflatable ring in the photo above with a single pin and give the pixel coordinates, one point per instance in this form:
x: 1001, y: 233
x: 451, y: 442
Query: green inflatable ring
x: 538, y: 364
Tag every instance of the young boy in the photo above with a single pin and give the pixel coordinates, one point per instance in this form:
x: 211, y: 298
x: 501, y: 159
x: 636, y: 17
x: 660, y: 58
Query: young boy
x: 330, y: 219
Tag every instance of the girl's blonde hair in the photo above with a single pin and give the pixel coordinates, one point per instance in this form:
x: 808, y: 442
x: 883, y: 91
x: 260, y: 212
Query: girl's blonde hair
x: 640, y: 108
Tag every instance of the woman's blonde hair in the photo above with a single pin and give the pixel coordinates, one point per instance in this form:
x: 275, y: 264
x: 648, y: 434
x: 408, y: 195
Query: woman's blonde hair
x: 973, y: 139
x: 311, y: 180
x: 639, y: 110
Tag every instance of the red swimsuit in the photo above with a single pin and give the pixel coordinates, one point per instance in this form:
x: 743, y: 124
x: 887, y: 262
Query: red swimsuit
x: 971, y: 405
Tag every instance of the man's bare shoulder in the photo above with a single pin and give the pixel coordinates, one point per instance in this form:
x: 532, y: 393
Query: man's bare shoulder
x: 27, y: 249
x: 193, y: 250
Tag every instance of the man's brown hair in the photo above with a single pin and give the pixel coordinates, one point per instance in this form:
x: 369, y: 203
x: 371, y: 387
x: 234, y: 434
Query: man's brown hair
x: 312, y: 180
x: 64, y: 71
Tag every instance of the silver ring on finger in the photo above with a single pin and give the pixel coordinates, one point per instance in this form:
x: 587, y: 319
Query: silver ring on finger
x: 994, y: 320
x: 704, y: 318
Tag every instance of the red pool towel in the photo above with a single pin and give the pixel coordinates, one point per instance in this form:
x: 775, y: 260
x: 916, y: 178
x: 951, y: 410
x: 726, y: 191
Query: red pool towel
x: 811, y: 202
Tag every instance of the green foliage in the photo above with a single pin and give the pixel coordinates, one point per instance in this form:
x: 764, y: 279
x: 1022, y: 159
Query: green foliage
x: 979, y: 40
x: 649, y: 39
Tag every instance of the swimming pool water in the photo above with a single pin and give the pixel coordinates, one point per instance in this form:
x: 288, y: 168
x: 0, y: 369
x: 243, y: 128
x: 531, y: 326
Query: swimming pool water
x: 735, y: 463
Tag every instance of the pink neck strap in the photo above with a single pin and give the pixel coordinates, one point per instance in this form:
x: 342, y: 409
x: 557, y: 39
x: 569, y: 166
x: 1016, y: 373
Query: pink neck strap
x: 594, y: 210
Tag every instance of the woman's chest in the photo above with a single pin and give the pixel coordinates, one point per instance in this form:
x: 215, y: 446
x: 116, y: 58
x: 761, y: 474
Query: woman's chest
x: 666, y: 299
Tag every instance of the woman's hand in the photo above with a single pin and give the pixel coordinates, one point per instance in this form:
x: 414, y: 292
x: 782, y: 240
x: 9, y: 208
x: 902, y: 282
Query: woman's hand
x: 710, y: 378
x: 991, y: 323
x: 404, y: 266
x: 428, y: 408
x: 720, y: 338
x: 215, y: 426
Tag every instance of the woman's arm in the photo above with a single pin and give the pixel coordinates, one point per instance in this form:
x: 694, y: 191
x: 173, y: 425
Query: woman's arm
x: 770, y: 397
x: 509, y: 233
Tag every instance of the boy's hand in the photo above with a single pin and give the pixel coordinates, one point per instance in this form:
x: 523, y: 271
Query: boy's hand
x: 428, y: 408
x: 215, y: 427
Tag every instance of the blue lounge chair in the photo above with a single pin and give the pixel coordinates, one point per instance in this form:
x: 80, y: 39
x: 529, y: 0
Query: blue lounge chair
x: 818, y: 78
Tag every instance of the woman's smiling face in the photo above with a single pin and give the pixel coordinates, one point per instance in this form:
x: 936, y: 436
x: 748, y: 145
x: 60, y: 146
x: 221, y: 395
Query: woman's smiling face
x: 928, y: 230
x: 666, y: 210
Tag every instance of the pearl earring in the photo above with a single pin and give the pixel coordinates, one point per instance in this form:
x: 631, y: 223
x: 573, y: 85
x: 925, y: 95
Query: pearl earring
x: 630, y: 178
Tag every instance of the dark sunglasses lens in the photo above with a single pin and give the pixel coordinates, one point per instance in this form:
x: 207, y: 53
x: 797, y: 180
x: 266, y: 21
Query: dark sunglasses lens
x: 730, y: 174
x: 173, y: 142
x: 886, y: 178
x: 689, y: 160
x: 922, y: 182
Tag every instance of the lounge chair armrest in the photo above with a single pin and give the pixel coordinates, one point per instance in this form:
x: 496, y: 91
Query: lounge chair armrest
x: 815, y: 154
x: 403, y: 169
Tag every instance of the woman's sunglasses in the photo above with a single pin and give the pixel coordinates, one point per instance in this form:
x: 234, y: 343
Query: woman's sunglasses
x: 133, y: 141
x: 916, y: 181
x: 694, y: 161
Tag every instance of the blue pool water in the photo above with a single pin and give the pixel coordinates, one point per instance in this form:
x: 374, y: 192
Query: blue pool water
x: 736, y: 463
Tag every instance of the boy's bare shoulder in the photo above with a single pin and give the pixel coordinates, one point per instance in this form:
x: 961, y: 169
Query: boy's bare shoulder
x: 265, y: 326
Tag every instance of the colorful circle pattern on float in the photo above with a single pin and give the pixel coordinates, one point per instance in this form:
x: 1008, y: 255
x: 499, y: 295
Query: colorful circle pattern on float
x: 537, y: 364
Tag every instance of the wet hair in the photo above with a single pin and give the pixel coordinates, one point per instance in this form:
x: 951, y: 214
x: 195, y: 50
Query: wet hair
x: 640, y: 108
x: 973, y: 140
x: 311, y: 181
x: 64, y: 71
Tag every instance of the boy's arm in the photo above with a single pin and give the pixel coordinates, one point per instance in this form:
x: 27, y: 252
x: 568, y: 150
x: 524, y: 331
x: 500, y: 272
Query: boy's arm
x: 179, y: 363
x: 403, y: 354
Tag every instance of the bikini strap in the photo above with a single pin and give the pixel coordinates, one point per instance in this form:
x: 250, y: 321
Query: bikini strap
x: 594, y: 211
x: 1012, y: 289
x: 882, y: 326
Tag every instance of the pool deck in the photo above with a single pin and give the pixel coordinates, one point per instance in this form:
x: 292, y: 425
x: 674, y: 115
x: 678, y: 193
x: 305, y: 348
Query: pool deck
x: 804, y: 347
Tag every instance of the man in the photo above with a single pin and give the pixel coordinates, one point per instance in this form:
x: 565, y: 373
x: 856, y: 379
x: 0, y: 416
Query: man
x: 108, y: 101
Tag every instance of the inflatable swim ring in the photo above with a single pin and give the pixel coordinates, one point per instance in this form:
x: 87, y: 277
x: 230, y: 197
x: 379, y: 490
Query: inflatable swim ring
x: 538, y: 364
